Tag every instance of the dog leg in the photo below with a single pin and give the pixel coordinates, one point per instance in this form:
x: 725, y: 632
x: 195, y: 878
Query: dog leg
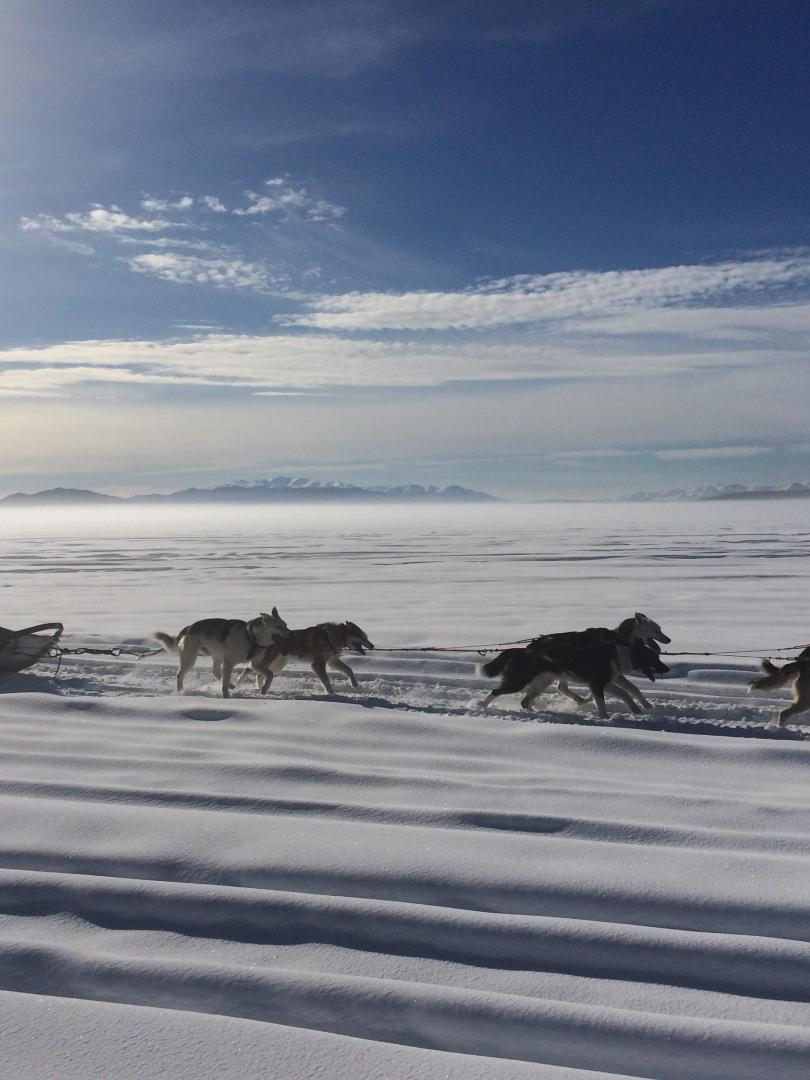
x: 791, y: 710
x: 598, y: 695
x: 633, y: 690
x: 624, y: 696
x: 535, y: 689
x: 319, y: 667
x: 499, y: 691
x: 264, y: 676
x: 227, y: 671
x: 339, y: 665
x: 274, y: 667
x: 564, y: 688
x: 216, y: 663
x: 188, y: 658
x: 243, y: 674
x: 483, y: 702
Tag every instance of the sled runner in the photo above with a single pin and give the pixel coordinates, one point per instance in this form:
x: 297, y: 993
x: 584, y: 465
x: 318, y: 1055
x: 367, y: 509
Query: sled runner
x: 20, y: 649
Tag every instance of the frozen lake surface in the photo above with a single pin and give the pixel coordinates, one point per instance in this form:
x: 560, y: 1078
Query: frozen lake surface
x: 719, y: 575
x: 388, y: 883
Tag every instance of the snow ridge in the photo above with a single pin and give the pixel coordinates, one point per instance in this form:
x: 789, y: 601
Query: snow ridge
x: 487, y: 895
x: 386, y: 882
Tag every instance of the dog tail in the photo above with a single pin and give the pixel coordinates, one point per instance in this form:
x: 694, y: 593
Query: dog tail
x: 773, y: 677
x: 494, y: 667
x: 167, y: 641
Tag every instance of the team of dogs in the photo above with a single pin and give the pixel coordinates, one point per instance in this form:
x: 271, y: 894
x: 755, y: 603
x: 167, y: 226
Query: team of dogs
x: 599, y: 657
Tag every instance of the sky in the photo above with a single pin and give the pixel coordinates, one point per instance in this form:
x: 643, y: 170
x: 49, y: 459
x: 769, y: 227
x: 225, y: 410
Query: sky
x: 557, y: 248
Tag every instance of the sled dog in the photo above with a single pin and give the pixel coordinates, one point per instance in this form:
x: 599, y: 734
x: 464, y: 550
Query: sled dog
x: 228, y: 642
x: 319, y: 645
x: 599, y: 657
x: 796, y: 675
x: 638, y: 628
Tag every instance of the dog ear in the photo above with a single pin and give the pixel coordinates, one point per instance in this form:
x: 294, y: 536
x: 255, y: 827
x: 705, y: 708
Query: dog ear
x: 275, y: 614
x: 263, y: 615
x: 641, y: 618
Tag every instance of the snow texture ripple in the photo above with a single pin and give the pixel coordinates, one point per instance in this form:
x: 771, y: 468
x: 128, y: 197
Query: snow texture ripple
x: 388, y: 883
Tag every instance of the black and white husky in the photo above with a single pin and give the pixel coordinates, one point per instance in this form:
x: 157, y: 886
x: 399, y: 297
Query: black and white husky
x: 599, y: 657
x: 796, y: 675
x: 228, y: 642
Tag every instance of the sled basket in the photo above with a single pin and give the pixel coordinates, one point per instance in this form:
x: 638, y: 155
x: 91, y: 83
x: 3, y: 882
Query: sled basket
x: 20, y: 649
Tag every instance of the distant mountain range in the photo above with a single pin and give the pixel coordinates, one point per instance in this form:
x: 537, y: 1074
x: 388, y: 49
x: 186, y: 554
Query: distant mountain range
x: 284, y: 489
x: 726, y: 492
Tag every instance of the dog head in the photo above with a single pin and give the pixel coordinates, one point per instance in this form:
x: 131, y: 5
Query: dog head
x: 270, y: 629
x: 642, y: 628
x: 356, y: 639
x: 647, y: 660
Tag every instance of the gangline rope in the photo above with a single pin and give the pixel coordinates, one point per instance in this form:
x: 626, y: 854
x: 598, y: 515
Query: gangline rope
x: 141, y: 652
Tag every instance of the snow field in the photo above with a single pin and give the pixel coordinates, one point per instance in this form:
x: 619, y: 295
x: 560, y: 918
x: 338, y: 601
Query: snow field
x: 386, y: 883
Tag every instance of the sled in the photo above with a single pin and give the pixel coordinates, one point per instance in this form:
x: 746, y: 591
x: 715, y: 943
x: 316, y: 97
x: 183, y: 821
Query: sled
x: 19, y: 649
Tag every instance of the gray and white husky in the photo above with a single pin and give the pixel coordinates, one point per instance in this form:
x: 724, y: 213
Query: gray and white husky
x: 796, y: 675
x: 320, y: 646
x: 228, y: 642
x: 598, y: 656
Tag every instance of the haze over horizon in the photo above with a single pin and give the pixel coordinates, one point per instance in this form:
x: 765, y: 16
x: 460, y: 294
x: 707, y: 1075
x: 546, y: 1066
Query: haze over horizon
x: 559, y: 249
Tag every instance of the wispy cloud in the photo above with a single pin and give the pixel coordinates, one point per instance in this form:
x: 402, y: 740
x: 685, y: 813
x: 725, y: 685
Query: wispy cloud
x: 310, y: 362
x: 598, y: 455
x: 230, y: 252
x: 53, y: 382
x: 150, y: 204
x: 322, y: 39
x: 107, y: 220
x: 221, y: 273
x: 290, y: 201
x: 700, y: 453
x: 687, y: 320
x: 557, y: 298
x: 722, y: 323
x: 213, y: 203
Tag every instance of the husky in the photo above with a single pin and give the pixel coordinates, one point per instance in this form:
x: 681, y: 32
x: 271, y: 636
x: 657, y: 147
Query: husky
x: 638, y: 628
x: 595, y: 663
x: 795, y: 674
x: 320, y: 645
x: 228, y: 642
x: 597, y: 656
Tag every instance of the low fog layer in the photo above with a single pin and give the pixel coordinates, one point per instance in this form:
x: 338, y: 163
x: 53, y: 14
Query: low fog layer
x: 718, y: 575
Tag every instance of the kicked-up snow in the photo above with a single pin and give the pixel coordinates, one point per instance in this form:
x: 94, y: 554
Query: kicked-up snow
x: 389, y: 883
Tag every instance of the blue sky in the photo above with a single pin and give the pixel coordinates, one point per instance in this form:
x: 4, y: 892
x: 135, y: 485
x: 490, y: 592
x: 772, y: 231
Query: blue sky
x: 549, y: 248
